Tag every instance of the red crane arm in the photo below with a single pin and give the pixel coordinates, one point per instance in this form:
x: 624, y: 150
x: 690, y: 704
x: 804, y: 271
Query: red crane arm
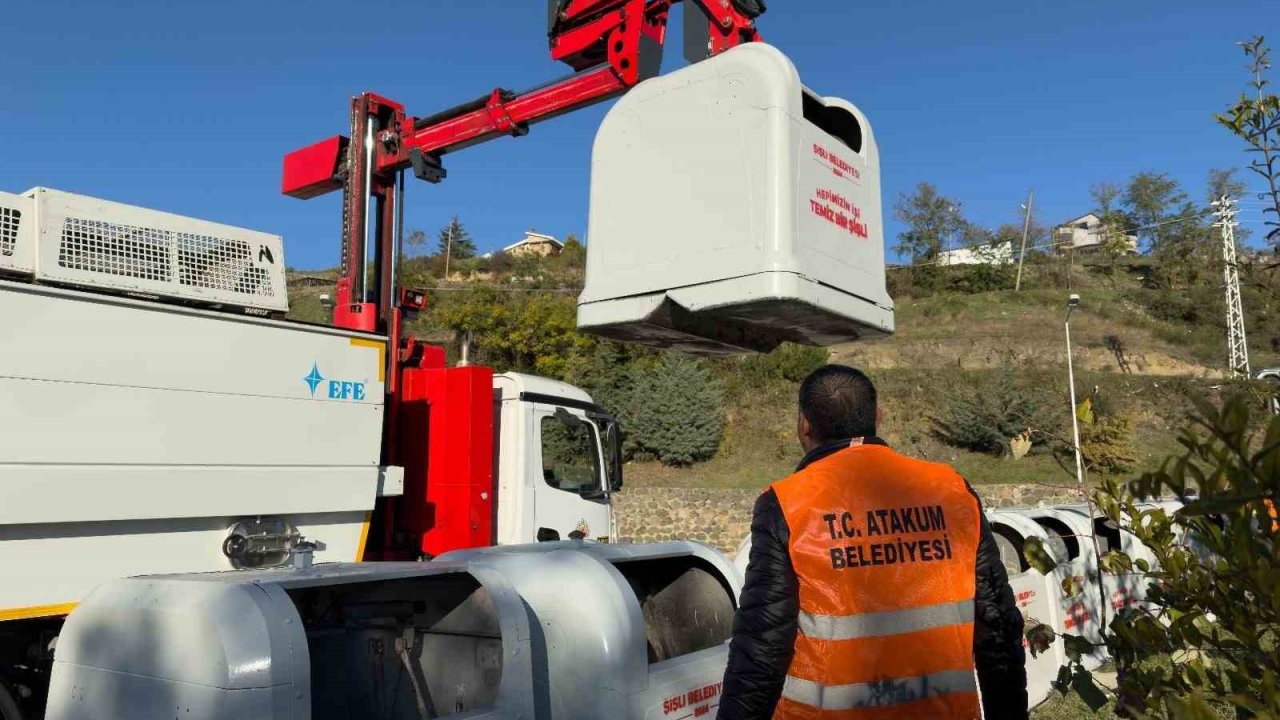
x: 611, y: 44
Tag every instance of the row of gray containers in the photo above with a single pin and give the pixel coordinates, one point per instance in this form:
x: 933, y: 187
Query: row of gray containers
x: 556, y: 631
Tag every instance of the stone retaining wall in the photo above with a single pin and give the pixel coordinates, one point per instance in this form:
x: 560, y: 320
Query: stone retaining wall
x: 721, y: 517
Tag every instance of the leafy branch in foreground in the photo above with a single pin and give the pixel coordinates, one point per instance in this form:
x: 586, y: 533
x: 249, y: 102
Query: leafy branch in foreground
x: 1256, y: 120
x: 1207, y: 634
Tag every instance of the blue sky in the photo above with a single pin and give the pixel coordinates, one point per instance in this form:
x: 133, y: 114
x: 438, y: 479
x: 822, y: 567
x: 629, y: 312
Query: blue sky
x: 189, y: 106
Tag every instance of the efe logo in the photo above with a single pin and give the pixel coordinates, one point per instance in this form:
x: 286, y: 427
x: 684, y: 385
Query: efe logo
x: 337, y: 389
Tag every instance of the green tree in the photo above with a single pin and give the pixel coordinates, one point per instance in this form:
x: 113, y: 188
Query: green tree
x: 416, y: 240
x: 1106, y: 438
x: 677, y: 416
x: 1256, y: 120
x: 1150, y: 201
x: 574, y: 254
x: 1115, y: 234
x: 789, y: 362
x: 1105, y: 197
x: 1188, y: 253
x: 1223, y: 181
x: 454, y: 241
x: 986, y: 419
x: 534, y: 332
x: 934, y: 223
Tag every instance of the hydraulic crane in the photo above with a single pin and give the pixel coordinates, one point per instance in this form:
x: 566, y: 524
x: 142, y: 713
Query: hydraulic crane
x: 612, y: 46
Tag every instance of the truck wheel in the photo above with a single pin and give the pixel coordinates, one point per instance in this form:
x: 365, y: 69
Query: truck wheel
x: 8, y: 706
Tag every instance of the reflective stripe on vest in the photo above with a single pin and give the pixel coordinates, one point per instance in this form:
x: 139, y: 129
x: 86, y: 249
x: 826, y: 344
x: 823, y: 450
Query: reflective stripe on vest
x: 892, y: 622
x: 879, y: 694
x: 885, y: 553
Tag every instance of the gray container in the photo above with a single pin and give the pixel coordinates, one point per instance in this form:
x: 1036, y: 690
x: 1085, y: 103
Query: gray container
x: 328, y: 643
x: 556, y: 631
x: 622, y: 631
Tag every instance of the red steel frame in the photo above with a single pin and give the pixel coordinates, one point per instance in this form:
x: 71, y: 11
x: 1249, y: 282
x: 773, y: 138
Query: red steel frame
x: 439, y: 423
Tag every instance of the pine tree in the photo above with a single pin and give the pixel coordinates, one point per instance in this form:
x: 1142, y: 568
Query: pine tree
x: 454, y: 241
x: 574, y: 254
x: 680, y: 420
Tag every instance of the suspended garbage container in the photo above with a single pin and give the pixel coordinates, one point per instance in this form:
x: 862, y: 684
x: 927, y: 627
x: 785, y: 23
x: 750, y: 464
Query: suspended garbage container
x: 328, y: 643
x: 732, y: 208
x: 622, y: 631
x: 1036, y: 599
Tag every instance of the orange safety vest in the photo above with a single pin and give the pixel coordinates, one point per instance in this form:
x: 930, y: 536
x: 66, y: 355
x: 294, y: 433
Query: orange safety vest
x: 885, y: 549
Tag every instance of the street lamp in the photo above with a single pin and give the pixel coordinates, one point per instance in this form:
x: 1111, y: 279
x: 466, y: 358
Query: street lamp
x: 1072, y: 303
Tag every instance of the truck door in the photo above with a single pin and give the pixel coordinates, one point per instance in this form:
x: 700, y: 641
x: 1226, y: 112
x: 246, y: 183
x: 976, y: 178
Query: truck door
x: 571, y: 499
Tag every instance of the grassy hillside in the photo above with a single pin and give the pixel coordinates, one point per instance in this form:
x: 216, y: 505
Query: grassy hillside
x: 1146, y: 351
x: 760, y: 443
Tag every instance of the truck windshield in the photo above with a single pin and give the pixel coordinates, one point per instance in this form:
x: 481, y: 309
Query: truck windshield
x: 570, y: 460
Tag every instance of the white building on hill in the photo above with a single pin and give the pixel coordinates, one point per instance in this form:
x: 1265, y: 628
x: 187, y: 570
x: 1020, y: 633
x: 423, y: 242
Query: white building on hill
x: 535, y: 244
x: 1086, y: 233
x: 999, y: 254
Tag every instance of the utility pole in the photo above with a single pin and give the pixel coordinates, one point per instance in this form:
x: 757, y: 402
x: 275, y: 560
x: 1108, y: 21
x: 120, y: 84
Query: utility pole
x: 1237, y: 349
x: 1026, y: 228
x: 448, y: 248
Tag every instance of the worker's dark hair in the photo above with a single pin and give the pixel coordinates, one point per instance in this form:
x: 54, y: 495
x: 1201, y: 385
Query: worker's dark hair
x: 839, y: 402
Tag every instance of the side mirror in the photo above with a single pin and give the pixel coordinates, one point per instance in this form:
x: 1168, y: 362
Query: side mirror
x: 613, y: 455
x: 568, y: 418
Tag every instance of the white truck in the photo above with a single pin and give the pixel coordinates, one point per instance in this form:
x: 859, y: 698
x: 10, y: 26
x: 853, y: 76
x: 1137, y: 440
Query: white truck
x: 156, y: 417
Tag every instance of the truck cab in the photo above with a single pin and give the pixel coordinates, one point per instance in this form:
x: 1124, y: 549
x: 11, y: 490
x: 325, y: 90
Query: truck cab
x: 558, y: 460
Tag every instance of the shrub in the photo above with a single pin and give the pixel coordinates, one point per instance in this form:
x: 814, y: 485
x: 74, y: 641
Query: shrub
x: 985, y: 420
x: 675, y: 411
x: 498, y: 262
x: 927, y: 280
x: 789, y: 362
x: 970, y: 279
x: 1106, y: 445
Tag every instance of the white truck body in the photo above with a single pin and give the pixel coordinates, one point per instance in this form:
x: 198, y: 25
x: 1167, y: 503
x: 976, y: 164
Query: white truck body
x: 136, y: 433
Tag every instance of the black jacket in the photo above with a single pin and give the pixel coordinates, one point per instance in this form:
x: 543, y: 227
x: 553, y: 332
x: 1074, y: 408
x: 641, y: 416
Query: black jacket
x: 764, y: 631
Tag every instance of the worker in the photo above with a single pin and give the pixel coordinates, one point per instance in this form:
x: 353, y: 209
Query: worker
x: 875, y: 587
